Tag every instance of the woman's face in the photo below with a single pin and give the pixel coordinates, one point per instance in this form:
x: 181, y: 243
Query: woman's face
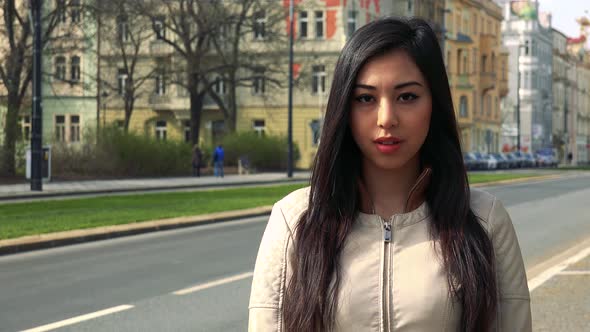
x: 390, y: 111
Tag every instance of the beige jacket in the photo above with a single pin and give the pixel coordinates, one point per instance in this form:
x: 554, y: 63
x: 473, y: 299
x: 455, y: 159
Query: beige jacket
x: 398, y: 285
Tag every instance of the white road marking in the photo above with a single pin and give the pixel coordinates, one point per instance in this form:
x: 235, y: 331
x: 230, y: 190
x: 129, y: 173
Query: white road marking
x: 574, y: 273
x: 214, y: 283
x: 79, y: 319
x: 552, y: 271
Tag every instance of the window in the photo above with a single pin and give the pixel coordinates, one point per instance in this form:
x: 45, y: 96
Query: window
x: 259, y: 127
x: 410, y: 6
x: 123, y: 28
x: 219, y: 86
x: 474, y: 65
x: 60, y: 9
x: 463, y: 107
x: 496, y: 109
x: 315, y: 132
x: 526, y: 47
x: 217, y: 130
x: 489, y: 105
x: 319, y: 24
x: 303, y: 24
x: 122, y: 78
x: 318, y: 79
x: 74, y: 128
x: 493, y: 63
x: 26, y: 127
x: 259, y: 81
x: 160, y: 27
x: 351, y: 22
x: 187, y: 130
x: 60, y: 68
x: 160, y: 84
x: 161, y: 130
x: 75, y: 70
x: 484, y: 60
x: 60, y: 128
x: 260, y: 25
x: 459, y: 57
x: 475, y: 24
x: 75, y: 10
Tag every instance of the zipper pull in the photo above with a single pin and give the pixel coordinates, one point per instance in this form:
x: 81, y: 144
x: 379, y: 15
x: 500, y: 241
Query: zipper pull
x: 387, y: 233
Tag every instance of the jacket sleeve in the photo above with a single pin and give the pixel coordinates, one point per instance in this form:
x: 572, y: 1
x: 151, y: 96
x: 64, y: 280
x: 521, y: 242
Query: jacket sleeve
x: 514, y: 310
x: 268, y: 284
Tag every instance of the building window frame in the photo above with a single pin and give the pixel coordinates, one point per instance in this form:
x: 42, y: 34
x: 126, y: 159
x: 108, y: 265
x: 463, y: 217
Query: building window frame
x: 59, y: 124
x: 75, y: 11
x: 259, y: 127
x: 258, y: 81
x: 351, y: 22
x: 259, y: 25
x: 123, y: 28
x: 159, y: 27
x: 60, y: 68
x: 74, y: 128
x: 463, y: 107
x: 161, y: 130
x: 319, y: 24
x: 303, y: 24
x: 75, y: 68
x: 318, y: 79
x: 160, y: 83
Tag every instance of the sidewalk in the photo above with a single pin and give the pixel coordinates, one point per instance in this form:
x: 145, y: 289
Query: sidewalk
x: 75, y: 188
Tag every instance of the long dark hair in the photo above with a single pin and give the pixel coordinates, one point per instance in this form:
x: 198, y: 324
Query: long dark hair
x: 466, y: 250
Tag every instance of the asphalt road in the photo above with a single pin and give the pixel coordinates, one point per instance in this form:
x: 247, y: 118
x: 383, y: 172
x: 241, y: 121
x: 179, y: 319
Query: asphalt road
x: 143, y: 272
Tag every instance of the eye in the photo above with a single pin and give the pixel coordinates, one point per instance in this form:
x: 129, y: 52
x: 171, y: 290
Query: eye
x: 364, y: 99
x: 407, y: 97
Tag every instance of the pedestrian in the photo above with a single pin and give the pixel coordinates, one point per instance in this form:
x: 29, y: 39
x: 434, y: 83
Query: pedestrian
x: 389, y: 236
x: 570, y: 156
x: 218, y: 156
x: 197, y: 159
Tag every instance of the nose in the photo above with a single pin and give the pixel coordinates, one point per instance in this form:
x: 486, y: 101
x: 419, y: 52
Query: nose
x: 386, y: 116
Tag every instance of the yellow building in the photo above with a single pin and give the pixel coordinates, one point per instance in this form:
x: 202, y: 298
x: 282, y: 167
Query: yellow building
x: 476, y: 64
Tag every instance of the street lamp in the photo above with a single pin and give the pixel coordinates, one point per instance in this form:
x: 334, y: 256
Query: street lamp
x: 290, y: 115
x: 565, y: 135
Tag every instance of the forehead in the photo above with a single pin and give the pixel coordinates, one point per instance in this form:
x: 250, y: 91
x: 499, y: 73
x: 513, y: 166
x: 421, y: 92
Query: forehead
x: 392, y: 67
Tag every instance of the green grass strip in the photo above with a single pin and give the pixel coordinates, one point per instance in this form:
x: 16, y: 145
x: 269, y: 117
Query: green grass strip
x: 21, y: 219
x: 483, y: 177
x: 31, y: 218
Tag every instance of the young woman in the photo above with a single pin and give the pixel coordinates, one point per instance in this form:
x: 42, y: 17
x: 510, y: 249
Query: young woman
x: 389, y: 236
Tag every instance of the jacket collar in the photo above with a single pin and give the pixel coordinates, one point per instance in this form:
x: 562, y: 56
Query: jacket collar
x: 415, y: 198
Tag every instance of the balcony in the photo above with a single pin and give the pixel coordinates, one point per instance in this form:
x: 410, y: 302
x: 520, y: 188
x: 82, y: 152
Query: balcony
x: 160, y: 102
x: 463, y: 81
x: 159, y: 48
x: 487, y: 80
x: 487, y: 43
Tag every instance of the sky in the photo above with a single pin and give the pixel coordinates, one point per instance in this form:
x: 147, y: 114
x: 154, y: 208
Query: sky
x: 565, y: 13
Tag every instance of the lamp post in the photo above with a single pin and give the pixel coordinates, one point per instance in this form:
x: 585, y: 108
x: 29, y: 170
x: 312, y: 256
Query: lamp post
x: 290, y: 116
x: 565, y: 134
x: 36, y: 132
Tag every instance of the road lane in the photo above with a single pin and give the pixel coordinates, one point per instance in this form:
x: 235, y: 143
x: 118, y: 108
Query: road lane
x: 44, y: 287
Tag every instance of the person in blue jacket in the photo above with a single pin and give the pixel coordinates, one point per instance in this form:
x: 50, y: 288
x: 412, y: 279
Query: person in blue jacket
x: 218, y: 156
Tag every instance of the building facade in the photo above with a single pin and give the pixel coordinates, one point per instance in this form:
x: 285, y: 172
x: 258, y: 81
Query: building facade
x: 529, y: 39
x: 476, y: 65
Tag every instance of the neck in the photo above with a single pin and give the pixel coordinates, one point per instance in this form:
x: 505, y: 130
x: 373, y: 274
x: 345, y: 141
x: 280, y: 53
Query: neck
x: 388, y: 190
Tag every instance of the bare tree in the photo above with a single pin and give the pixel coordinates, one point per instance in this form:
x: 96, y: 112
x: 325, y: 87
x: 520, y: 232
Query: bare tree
x: 16, y: 63
x: 208, y: 37
x: 124, y: 36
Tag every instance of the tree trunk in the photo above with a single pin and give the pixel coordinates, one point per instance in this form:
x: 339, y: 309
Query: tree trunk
x: 10, y: 136
x: 196, y: 107
x: 128, y: 112
x: 232, y: 104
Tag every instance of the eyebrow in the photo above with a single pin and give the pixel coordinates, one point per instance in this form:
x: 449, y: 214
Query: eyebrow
x: 399, y: 86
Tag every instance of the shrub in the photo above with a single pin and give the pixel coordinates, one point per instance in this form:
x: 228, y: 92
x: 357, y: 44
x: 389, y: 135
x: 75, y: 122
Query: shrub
x: 263, y: 152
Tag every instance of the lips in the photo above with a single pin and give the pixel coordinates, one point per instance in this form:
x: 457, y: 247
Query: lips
x: 388, y: 144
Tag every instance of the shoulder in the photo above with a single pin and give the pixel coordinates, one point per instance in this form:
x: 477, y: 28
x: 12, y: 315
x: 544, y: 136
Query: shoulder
x: 491, y: 211
x: 293, y: 205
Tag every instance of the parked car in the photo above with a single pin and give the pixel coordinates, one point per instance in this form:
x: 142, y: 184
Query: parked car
x: 514, y: 162
x: 483, y: 163
x: 492, y: 162
x: 503, y: 162
x: 470, y: 161
x: 531, y: 160
x: 547, y: 160
x: 524, y: 160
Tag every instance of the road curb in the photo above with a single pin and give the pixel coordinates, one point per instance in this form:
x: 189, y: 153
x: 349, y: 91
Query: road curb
x: 519, y: 180
x: 44, y: 241
x: 83, y: 193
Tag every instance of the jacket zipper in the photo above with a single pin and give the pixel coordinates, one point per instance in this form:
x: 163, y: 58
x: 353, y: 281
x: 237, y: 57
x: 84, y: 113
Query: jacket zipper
x: 387, y: 236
